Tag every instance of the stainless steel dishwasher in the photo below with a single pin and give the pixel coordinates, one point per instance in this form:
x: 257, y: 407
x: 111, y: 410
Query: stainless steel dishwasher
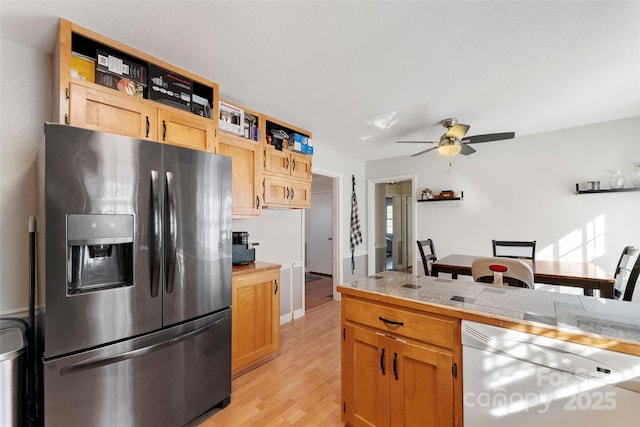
x: 515, y: 378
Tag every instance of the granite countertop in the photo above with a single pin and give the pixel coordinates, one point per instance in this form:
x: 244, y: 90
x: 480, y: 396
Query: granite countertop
x: 603, y: 318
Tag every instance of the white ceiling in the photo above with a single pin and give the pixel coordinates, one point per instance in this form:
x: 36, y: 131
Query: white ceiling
x: 361, y: 75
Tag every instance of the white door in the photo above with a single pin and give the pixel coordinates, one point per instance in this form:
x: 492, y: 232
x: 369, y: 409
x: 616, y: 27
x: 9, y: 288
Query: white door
x: 407, y: 217
x: 320, y: 233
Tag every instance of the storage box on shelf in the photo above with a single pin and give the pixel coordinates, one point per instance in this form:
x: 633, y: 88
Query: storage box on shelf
x: 116, y: 99
x: 245, y: 149
x: 287, y: 174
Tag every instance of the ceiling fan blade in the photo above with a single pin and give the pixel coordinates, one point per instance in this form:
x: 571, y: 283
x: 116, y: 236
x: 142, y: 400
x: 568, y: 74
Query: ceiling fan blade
x: 466, y: 150
x: 416, y: 142
x: 424, y: 151
x: 475, y: 139
x: 457, y: 131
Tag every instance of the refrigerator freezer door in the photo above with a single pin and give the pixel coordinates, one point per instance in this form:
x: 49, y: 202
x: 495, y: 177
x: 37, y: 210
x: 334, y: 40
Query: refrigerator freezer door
x: 165, y: 378
x: 197, y: 233
x: 89, y: 174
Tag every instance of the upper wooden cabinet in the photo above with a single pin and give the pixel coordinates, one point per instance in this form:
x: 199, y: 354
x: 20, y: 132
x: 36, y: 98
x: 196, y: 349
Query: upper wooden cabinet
x: 287, y: 174
x: 287, y: 163
x: 97, y: 109
x: 182, y: 128
x: 246, y: 154
x: 286, y: 192
x: 81, y: 102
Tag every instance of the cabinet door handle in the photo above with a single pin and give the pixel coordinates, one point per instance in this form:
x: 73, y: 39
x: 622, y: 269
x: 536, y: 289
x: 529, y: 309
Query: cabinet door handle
x: 287, y: 192
x: 395, y: 365
x: 292, y: 193
x: 276, y: 291
x: 293, y: 164
x: 382, y: 362
x: 148, y: 127
x: 286, y: 166
x: 391, y: 322
x: 164, y: 130
x: 257, y: 202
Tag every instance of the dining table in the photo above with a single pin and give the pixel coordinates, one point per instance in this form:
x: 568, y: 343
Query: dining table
x: 584, y: 275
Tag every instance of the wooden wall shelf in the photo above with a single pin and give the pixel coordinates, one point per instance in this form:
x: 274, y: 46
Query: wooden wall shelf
x: 443, y: 199
x: 440, y: 200
x: 619, y: 190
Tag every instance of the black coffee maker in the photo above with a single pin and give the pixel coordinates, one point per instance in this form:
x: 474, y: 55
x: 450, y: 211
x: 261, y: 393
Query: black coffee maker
x: 241, y: 253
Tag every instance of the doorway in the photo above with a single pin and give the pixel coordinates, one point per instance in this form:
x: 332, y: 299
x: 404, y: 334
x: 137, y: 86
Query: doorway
x: 398, y: 225
x: 391, y: 223
x: 320, y: 243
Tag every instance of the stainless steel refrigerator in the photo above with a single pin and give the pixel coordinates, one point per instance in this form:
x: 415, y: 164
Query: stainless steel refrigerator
x: 135, y: 279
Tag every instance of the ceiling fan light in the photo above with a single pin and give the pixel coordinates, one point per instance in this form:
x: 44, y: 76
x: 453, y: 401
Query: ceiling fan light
x: 449, y: 150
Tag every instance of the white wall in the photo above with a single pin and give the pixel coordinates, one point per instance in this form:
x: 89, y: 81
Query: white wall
x: 280, y: 235
x: 343, y: 167
x: 524, y: 189
x: 25, y: 85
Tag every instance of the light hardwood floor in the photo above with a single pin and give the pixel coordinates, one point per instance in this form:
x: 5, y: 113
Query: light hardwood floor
x: 318, y: 292
x: 301, y: 387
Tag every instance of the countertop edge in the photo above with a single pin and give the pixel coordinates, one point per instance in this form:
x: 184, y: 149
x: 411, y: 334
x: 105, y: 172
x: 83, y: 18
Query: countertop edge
x: 585, y: 338
x: 254, y: 267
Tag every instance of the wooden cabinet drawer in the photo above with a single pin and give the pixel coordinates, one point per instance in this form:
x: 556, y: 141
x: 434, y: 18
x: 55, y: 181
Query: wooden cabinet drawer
x: 438, y: 331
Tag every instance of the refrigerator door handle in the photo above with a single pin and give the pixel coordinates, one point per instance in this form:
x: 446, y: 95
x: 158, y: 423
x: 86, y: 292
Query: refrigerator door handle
x: 155, y: 235
x: 98, y: 362
x: 172, y: 224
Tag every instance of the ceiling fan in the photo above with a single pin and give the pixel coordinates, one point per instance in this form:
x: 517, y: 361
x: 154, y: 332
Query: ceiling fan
x: 454, y: 140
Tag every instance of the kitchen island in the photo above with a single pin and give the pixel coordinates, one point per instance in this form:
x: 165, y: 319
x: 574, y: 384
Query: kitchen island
x: 392, y: 320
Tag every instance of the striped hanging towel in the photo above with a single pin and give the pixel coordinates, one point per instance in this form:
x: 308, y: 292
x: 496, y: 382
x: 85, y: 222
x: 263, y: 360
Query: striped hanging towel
x: 356, y: 235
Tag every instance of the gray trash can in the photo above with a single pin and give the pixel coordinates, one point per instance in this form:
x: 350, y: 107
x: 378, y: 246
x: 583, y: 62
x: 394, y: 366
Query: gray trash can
x: 13, y: 345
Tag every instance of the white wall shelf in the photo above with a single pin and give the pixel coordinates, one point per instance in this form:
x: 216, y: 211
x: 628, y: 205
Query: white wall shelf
x: 612, y: 190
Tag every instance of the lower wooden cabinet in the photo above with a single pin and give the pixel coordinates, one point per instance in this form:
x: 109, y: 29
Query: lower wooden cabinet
x: 390, y: 378
x: 255, y: 319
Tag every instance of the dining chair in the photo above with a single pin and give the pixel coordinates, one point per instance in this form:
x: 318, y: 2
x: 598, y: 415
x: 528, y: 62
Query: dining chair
x: 427, y: 253
x: 514, y: 271
x: 514, y: 249
x: 627, y: 275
